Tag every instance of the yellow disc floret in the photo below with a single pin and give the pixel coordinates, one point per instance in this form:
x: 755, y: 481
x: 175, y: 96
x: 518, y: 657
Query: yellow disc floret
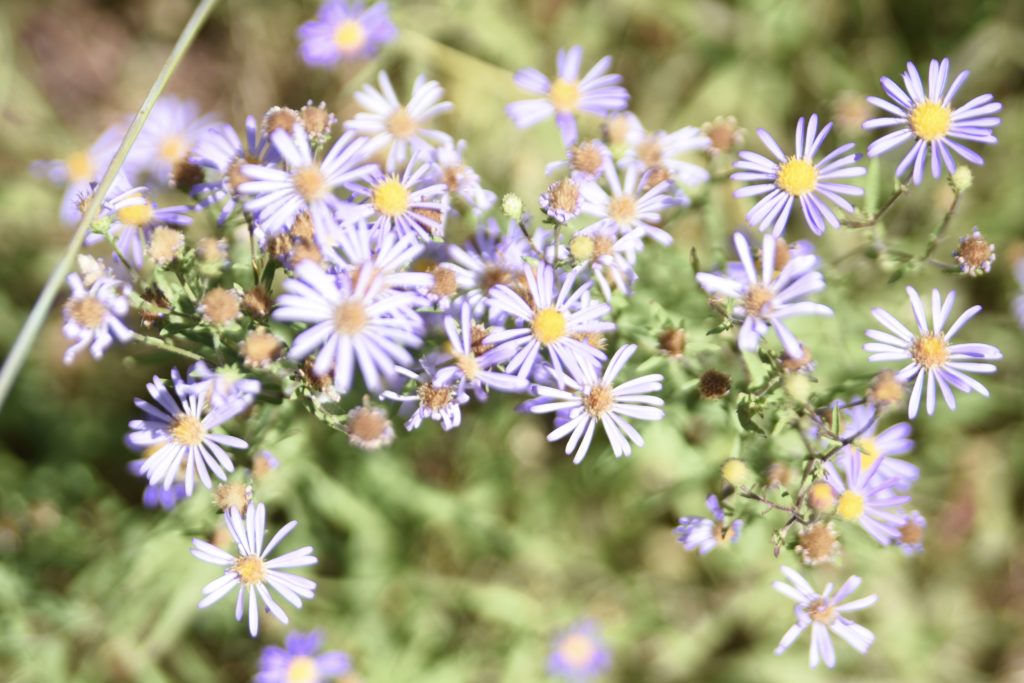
x: 79, y: 167
x: 565, y: 95
x: 350, y: 36
x: 390, y: 197
x: 549, y: 325
x: 187, y: 430
x: 251, y: 569
x: 931, y: 120
x: 930, y: 351
x: 797, y: 177
x: 851, y: 506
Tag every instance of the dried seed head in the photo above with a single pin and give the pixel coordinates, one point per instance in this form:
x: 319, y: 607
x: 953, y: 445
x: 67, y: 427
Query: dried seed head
x: 220, y: 306
x: 975, y: 255
x: 818, y: 544
x: 256, y: 302
x: 369, y: 427
x: 586, y: 157
x: 445, y: 284
x: 316, y: 119
x: 280, y: 118
x: 673, y: 342
x: 165, y: 245
x: 911, y: 532
x: 714, y: 384
x: 885, y: 389
x: 233, y: 495
x: 779, y: 475
x: 724, y: 133
x: 259, y: 348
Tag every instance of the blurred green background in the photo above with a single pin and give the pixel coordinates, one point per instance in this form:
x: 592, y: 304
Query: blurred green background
x: 455, y: 557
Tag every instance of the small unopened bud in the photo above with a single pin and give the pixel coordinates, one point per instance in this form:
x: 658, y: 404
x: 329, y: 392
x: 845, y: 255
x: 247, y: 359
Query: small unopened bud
x: 714, y: 384
x: 445, y: 284
x: 962, y: 179
x: 280, y: 118
x: 581, y: 248
x: 317, y: 120
x: 212, y: 252
x: 165, y: 245
x: 562, y: 201
x: 233, y: 495
x: 673, y: 342
x: 512, y: 206
x: 220, y: 306
x: 736, y: 472
x: 798, y: 387
x: 885, y: 389
x: 821, y: 497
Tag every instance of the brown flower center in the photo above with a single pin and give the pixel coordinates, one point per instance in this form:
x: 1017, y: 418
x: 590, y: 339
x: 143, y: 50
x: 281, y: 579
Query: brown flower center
x: 350, y: 317
x: 87, y: 311
x: 757, y: 298
x: 310, y: 183
x: 401, y: 125
x: 599, y: 400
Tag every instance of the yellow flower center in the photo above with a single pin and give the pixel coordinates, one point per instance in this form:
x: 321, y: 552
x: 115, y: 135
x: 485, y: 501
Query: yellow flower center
x: 577, y: 649
x: 390, y: 197
x: 821, y: 611
x: 797, y: 177
x: 136, y: 214
x: 87, y: 312
x: 302, y: 669
x: 433, y: 397
x: 349, y: 36
x: 251, y: 569
x: 565, y: 95
x: 581, y: 247
x: 851, y: 506
x: 931, y: 120
x: 868, y: 449
x: 468, y: 364
x: 172, y: 148
x: 548, y: 325
x: 756, y: 299
x: 79, y: 167
x: 821, y: 496
x: 401, y: 124
x: 622, y: 209
x: 350, y: 317
x: 187, y: 430
x: 930, y: 351
x: 649, y: 152
x: 310, y: 183
x: 599, y: 400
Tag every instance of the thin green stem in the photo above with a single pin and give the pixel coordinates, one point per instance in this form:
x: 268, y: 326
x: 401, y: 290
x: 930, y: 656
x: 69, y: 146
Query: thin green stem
x: 937, y: 234
x: 37, y: 316
x: 158, y: 343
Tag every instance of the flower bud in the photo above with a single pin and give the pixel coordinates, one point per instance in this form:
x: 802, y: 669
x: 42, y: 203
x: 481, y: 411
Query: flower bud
x: 962, y: 179
x: 736, y: 472
x: 714, y: 384
x: 581, y: 247
x: 821, y: 497
x: 673, y: 341
x: 512, y: 206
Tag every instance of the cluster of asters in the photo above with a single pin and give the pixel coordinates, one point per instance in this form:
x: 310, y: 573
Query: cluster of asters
x: 375, y: 310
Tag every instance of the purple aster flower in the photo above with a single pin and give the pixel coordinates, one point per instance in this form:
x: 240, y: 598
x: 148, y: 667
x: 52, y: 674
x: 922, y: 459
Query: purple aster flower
x: 133, y: 215
x: 798, y: 177
x: 703, y: 534
x: 660, y: 153
x: 353, y: 322
x: 628, y: 209
x: 471, y: 366
x: 279, y: 195
x: 157, y: 496
x: 870, y: 446
x: 398, y: 127
x: 911, y: 538
x: 433, y: 399
x: 865, y: 498
x: 825, y: 614
x: 251, y: 571
x: 225, y: 385
x: 408, y: 203
x: 584, y: 161
x: 298, y: 661
x: 173, y: 128
x: 181, y: 424
x: 385, y: 255
x: 345, y: 31
x: 767, y: 298
x: 591, y: 400
x: 933, y: 360
x: 94, y: 315
x: 462, y: 182
x: 604, y: 258
x: 579, y: 653
x: 79, y: 170
x: 562, y: 201
x: 553, y: 321
x: 598, y: 92
x: 491, y: 257
x: 929, y: 120
x: 222, y: 151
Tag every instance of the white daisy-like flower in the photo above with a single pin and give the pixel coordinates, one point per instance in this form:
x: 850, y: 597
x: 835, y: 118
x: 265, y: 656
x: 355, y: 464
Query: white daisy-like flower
x: 824, y: 613
x: 933, y: 360
x: 400, y: 128
x: 590, y: 400
x: 628, y: 209
x: 251, y: 571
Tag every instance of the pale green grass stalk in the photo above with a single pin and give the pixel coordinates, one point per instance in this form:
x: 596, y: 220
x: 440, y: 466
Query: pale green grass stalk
x: 37, y: 316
